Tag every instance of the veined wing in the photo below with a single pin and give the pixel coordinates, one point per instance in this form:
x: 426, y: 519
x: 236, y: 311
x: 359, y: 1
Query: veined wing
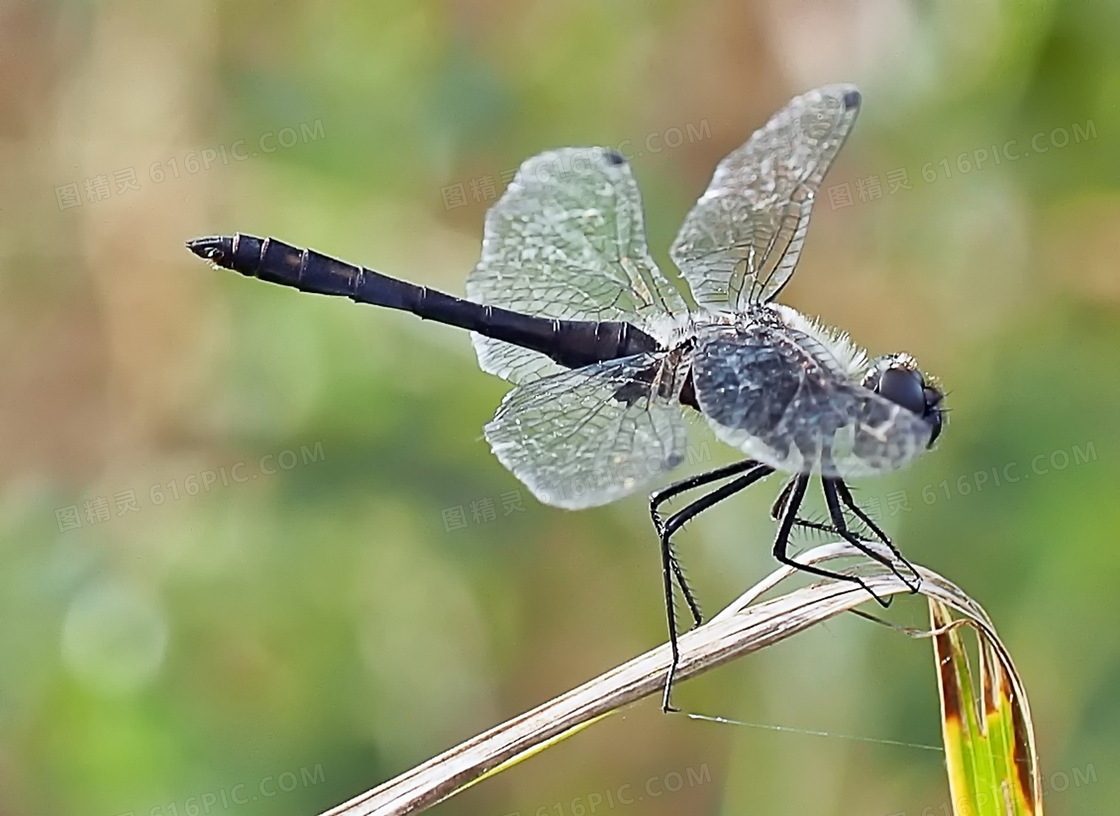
x: 777, y: 395
x: 587, y: 437
x: 742, y: 240
x: 567, y: 240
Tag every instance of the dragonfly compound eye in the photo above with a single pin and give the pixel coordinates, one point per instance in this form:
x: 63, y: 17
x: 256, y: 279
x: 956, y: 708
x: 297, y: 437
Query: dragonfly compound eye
x: 898, y: 378
x: 903, y: 387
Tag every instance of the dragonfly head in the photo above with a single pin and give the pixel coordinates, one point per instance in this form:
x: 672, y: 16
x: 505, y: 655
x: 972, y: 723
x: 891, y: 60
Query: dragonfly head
x: 898, y: 378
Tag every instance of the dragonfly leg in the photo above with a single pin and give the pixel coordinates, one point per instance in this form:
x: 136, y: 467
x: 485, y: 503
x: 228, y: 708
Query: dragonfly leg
x: 754, y: 472
x: 845, y: 495
x: 779, y: 506
x: 659, y: 497
x: 781, y: 541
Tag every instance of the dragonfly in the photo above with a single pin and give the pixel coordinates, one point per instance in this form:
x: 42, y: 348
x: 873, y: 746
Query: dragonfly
x: 608, y: 357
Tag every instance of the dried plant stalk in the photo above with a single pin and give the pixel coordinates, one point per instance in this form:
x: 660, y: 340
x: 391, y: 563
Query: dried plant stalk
x: 745, y: 626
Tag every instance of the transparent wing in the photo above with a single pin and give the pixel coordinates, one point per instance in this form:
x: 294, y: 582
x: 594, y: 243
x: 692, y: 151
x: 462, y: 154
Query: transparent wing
x: 777, y: 395
x: 741, y: 241
x: 587, y: 437
x: 567, y: 241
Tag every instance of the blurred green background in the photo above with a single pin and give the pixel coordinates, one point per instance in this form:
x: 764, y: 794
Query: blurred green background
x: 255, y: 556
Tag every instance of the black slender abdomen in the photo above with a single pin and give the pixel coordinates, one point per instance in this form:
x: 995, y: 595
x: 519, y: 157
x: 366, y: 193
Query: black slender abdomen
x: 571, y: 343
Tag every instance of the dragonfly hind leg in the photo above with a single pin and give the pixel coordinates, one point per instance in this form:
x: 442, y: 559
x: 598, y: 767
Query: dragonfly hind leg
x: 659, y: 497
x: 751, y: 472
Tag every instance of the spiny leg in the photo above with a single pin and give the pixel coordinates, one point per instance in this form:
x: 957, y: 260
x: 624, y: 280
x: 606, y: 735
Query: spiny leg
x: 667, y: 577
x: 836, y: 491
x: 674, y: 523
x: 833, y: 501
x: 659, y: 497
x: 837, y: 515
x: 849, y: 501
x: 686, y: 590
x: 779, y: 507
x: 846, y: 496
x: 796, y: 494
x: 819, y: 526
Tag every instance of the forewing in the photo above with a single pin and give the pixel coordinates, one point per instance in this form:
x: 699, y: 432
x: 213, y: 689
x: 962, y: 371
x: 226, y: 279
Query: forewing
x: 567, y: 241
x: 742, y: 240
x: 777, y: 395
x: 587, y: 437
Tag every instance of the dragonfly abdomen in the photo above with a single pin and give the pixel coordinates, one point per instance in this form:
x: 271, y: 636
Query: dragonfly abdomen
x: 571, y: 343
